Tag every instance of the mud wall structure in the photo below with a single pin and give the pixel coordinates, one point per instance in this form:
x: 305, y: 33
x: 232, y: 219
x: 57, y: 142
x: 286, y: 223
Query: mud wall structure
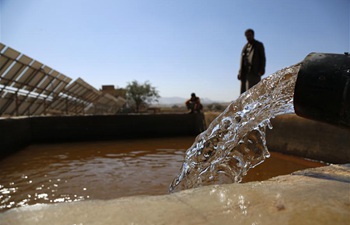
x: 290, y: 134
x: 20, y: 132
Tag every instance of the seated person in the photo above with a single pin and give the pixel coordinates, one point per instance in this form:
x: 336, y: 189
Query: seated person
x: 194, y: 104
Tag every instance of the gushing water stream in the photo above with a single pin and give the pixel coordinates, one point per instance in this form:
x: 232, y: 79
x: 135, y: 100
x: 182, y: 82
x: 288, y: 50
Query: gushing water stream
x: 235, y: 141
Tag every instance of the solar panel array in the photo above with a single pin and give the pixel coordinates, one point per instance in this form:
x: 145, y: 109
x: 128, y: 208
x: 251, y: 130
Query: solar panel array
x: 27, y: 87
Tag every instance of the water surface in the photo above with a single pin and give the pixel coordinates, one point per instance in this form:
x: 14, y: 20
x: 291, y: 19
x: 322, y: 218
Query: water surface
x: 66, y: 172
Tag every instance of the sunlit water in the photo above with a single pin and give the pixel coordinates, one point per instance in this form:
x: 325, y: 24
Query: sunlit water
x: 235, y: 141
x: 68, y: 172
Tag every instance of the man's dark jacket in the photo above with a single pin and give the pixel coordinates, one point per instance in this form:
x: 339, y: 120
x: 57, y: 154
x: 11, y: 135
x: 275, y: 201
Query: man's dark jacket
x: 259, y: 59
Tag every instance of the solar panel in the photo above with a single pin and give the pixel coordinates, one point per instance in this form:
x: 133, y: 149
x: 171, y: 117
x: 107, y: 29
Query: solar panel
x: 22, y: 80
x: 2, y: 46
x: 63, y: 81
x: 11, y: 53
x: 58, y: 104
x: 35, y: 80
x: 46, y: 83
x: 25, y: 60
x: 37, y: 107
x: 7, y: 60
x: 14, y: 71
x: 8, y: 104
x: 4, y: 100
x: 24, y: 105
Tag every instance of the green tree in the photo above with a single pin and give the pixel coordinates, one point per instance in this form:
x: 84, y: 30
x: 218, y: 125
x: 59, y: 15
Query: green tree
x: 140, y: 94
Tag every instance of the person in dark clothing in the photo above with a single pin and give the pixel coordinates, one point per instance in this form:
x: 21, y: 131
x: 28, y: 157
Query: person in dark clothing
x: 253, y: 62
x: 194, y: 104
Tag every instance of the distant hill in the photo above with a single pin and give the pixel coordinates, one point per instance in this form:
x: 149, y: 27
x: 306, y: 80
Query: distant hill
x: 181, y: 101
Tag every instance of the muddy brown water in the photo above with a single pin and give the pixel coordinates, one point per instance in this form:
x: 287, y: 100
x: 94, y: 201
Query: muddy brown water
x: 66, y: 172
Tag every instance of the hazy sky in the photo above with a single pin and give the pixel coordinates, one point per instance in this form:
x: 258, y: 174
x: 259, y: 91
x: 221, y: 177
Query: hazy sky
x: 179, y: 46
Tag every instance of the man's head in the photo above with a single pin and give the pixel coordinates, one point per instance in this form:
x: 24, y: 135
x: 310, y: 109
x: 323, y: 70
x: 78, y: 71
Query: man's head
x: 249, y: 34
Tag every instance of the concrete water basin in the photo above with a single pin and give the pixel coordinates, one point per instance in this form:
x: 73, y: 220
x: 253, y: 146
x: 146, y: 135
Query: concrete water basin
x: 311, y: 196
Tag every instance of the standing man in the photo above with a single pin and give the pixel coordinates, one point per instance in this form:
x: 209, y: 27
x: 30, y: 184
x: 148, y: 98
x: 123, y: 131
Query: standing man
x: 253, y: 62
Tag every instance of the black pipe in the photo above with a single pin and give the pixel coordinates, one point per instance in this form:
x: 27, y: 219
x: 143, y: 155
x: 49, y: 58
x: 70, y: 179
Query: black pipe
x: 322, y: 90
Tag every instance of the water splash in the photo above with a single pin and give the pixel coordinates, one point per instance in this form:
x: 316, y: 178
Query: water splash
x: 235, y: 141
